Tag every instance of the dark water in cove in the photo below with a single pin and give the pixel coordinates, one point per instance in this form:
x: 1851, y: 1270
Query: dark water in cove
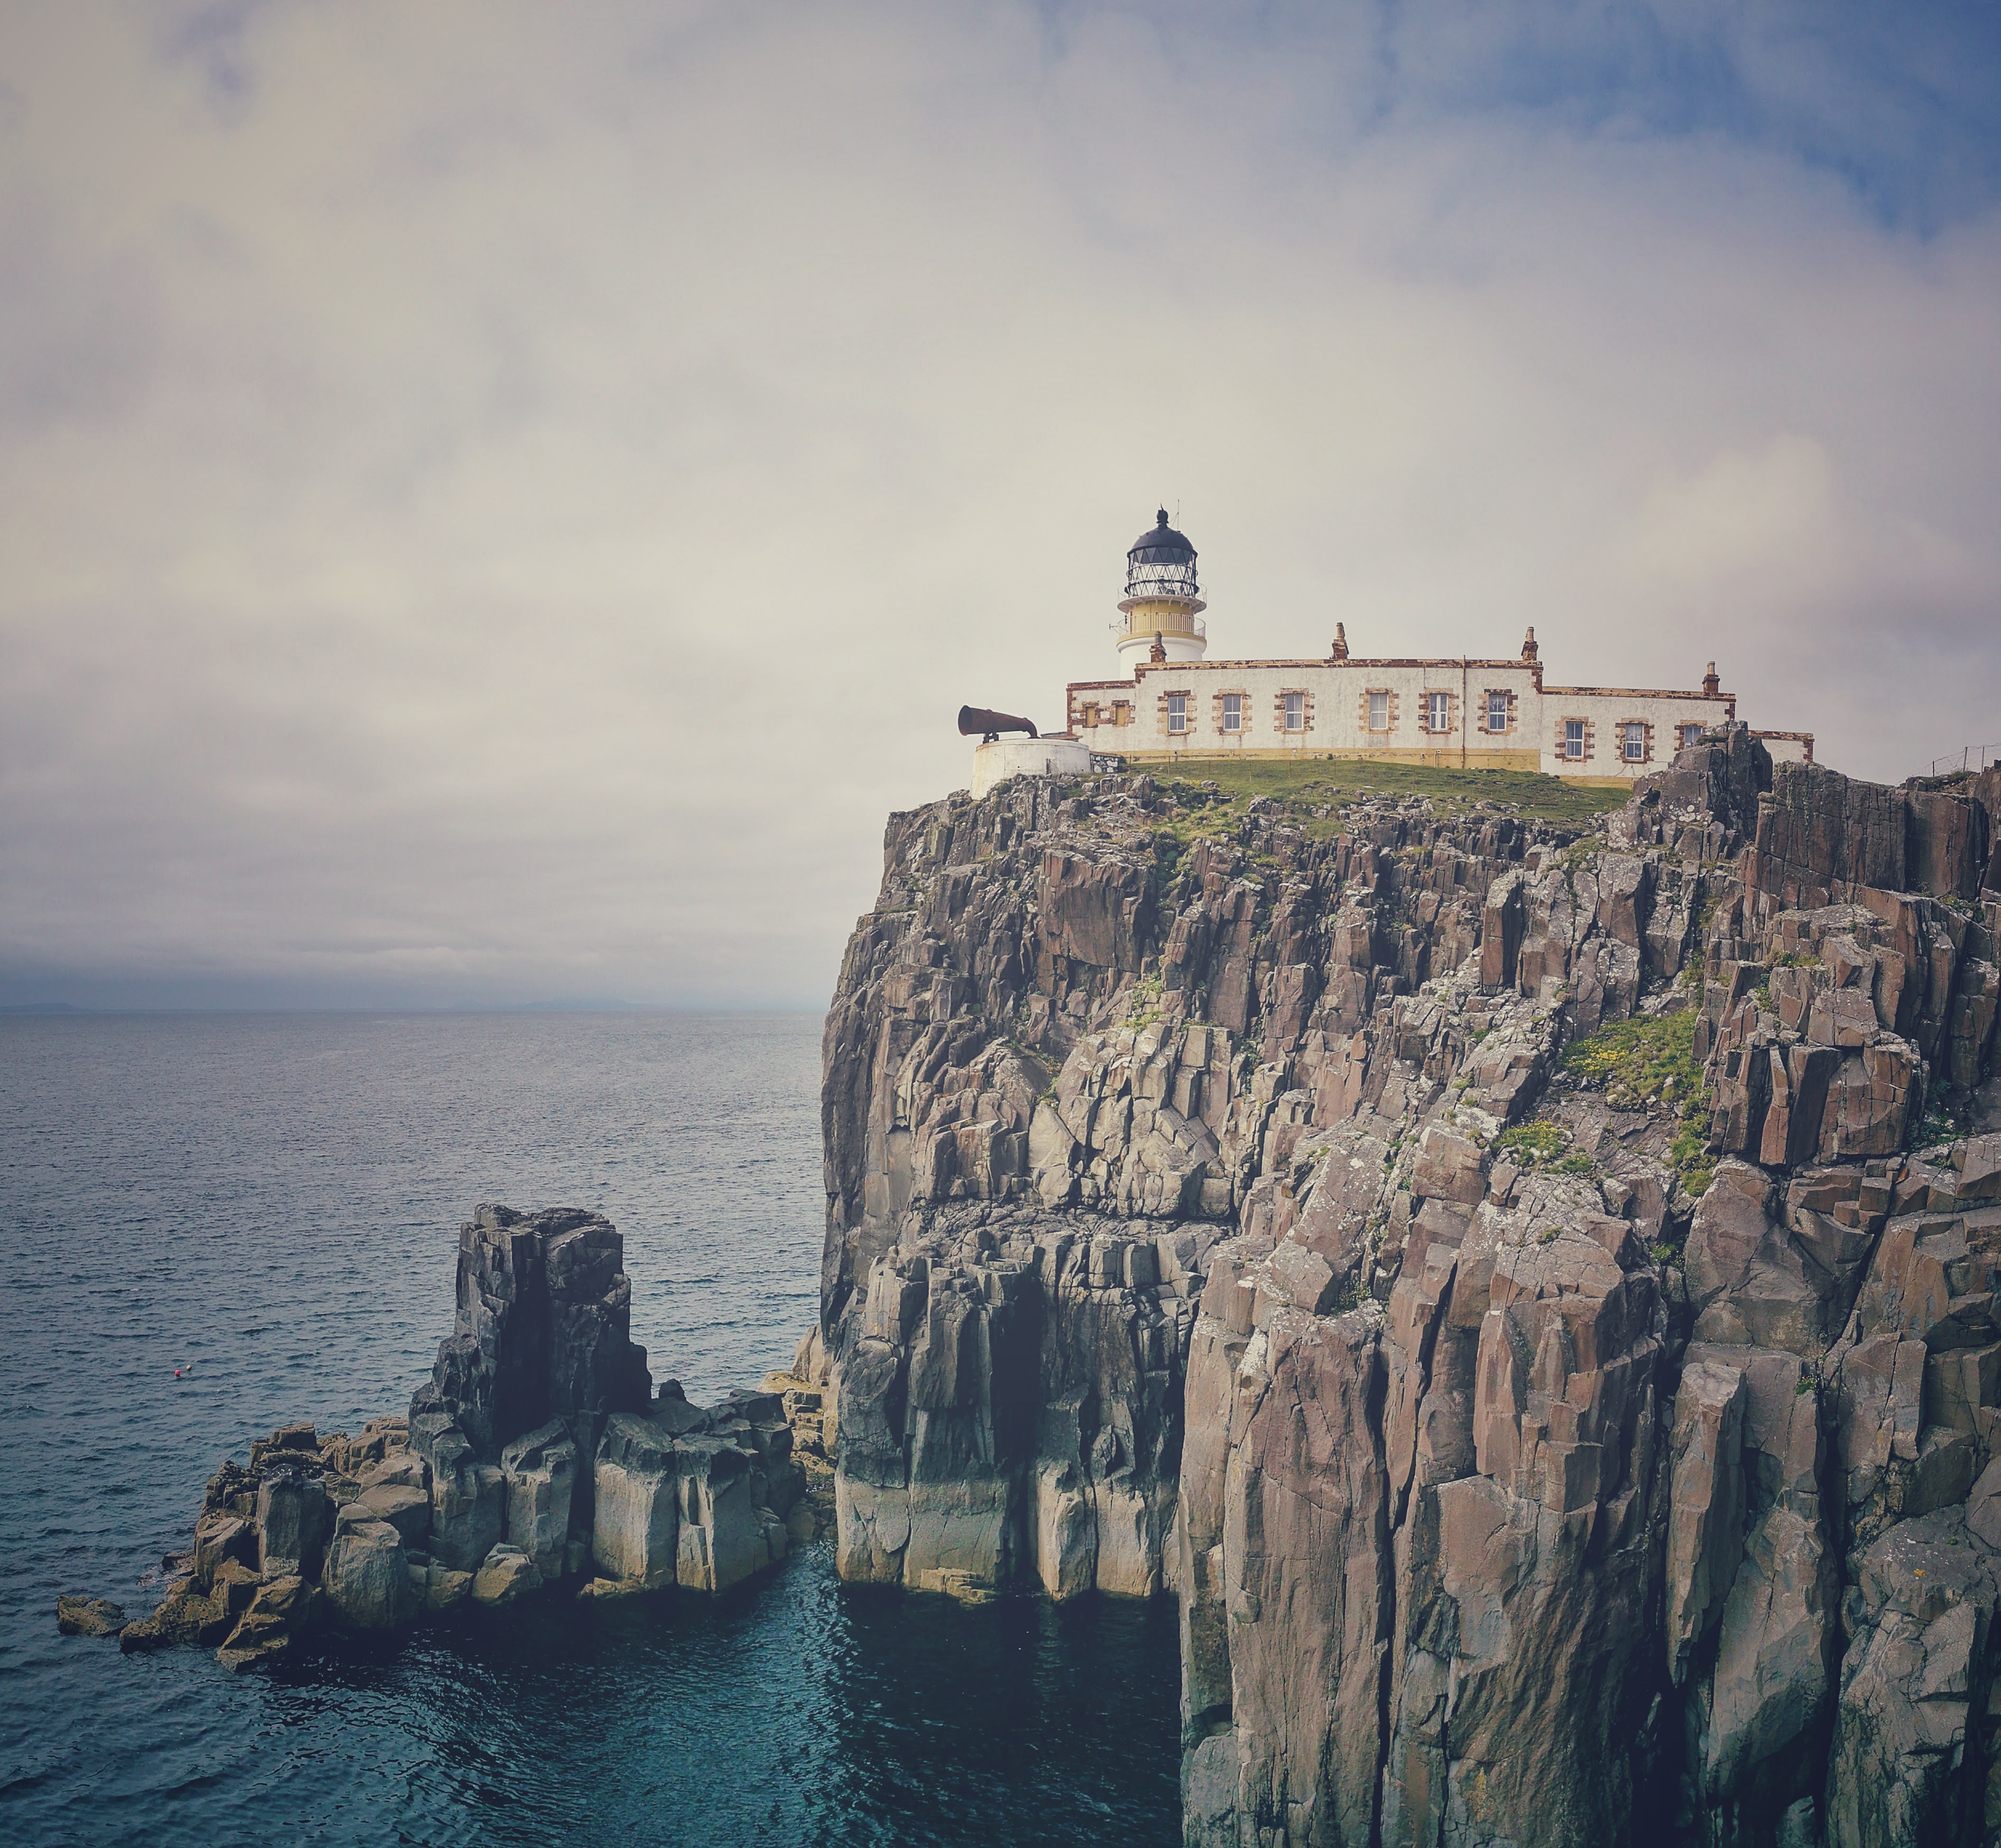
x: 274, y: 1199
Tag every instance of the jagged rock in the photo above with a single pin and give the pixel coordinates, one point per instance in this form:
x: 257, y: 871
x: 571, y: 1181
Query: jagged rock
x: 636, y: 1536
x: 185, y: 1615
x: 219, y: 1535
x: 1706, y: 1507
x: 540, y: 1470
x: 368, y: 1577
x: 77, y: 1615
x: 1449, y: 1167
x: 1756, y: 1280
x: 541, y: 1331
x: 724, y: 1534
x: 1305, y: 1484
x: 468, y: 1512
x: 1904, y: 1766
x: 280, y: 1610
x: 293, y: 1519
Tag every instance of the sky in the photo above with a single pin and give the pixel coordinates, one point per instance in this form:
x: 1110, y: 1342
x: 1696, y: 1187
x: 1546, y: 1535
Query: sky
x: 498, y: 502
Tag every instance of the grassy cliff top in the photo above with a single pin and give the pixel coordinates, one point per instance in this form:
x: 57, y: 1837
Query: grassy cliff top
x: 1339, y: 781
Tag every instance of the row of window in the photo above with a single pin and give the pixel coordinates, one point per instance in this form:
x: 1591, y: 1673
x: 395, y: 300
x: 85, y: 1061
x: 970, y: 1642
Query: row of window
x: 1632, y: 736
x: 1293, y: 712
x: 1232, y: 718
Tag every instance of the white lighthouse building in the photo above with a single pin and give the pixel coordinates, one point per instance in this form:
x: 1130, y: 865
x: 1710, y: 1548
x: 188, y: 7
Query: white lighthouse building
x: 1170, y: 702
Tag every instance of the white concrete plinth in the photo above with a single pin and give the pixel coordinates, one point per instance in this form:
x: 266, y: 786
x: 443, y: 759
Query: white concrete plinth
x: 1027, y: 757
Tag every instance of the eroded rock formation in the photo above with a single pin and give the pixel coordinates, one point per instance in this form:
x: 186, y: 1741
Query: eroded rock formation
x: 538, y: 1457
x: 1526, y: 1291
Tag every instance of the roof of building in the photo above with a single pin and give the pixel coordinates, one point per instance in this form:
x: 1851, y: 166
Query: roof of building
x: 1162, y: 545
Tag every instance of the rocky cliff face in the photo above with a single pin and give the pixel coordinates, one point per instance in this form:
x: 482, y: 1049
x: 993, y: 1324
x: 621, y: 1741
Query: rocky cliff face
x: 1527, y: 1293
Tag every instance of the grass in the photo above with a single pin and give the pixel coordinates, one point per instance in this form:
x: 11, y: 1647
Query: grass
x: 1651, y: 1062
x: 1309, y: 783
x: 1533, y: 1143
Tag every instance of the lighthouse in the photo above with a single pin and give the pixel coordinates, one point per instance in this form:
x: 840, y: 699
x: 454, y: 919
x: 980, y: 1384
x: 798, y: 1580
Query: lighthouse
x: 1162, y: 602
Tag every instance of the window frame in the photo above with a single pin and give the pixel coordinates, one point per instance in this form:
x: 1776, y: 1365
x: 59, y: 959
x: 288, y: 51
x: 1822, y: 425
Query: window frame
x: 1178, y: 709
x: 1229, y: 715
x: 1501, y: 697
x: 1576, y: 731
x: 1438, y: 711
x: 1291, y: 701
x: 1374, y: 694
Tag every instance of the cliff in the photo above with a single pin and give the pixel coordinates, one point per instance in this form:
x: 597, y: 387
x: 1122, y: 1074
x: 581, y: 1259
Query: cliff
x: 1525, y: 1291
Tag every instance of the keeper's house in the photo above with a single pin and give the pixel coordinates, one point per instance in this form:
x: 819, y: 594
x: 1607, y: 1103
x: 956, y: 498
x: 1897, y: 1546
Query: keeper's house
x: 1486, y: 714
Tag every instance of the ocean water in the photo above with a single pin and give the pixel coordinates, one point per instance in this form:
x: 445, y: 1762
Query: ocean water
x: 271, y: 1202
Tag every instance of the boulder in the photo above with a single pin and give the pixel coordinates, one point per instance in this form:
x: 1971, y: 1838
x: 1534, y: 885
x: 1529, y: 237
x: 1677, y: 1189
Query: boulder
x: 77, y: 1615
x: 368, y: 1577
x: 1449, y: 1167
x: 406, y: 1507
x: 506, y: 1575
x: 443, y: 1587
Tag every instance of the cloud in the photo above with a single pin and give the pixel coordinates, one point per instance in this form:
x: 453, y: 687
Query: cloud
x: 499, y: 501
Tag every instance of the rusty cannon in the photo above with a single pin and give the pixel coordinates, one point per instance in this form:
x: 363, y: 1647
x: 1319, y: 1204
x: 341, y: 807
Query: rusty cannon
x: 989, y: 726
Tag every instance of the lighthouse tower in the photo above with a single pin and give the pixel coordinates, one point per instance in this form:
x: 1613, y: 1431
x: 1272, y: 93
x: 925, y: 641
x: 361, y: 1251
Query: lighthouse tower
x: 1162, y: 602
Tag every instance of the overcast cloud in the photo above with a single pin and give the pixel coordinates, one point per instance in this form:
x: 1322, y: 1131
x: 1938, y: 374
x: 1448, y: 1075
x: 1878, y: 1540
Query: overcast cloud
x: 498, y: 501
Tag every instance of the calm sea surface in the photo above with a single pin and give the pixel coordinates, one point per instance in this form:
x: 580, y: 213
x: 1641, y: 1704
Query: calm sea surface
x: 272, y: 1202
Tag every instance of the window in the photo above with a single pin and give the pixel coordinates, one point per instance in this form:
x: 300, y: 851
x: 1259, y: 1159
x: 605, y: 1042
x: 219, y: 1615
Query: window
x: 1177, y: 712
x: 1633, y: 736
x: 1497, y: 712
x: 1090, y: 716
x: 1232, y: 712
x: 1689, y: 734
x: 1122, y: 712
x: 1296, y: 711
x: 1574, y: 738
x: 1438, y: 712
x: 1379, y: 712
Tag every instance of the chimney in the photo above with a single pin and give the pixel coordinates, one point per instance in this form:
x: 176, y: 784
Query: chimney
x: 1340, y: 643
x: 1710, y: 683
x: 1529, y: 644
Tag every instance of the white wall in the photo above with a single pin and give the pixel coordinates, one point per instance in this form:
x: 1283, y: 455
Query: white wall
x: 1607, y: 712
x: 1337, y: 712
x: 1027, y: 758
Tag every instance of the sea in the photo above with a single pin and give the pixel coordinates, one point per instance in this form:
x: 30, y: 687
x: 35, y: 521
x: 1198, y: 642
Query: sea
x: 268, y: 1204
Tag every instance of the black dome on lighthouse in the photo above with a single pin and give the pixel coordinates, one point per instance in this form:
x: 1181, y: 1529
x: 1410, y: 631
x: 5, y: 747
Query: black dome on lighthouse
x: 1161, y: 545
x: 1161, y: 563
